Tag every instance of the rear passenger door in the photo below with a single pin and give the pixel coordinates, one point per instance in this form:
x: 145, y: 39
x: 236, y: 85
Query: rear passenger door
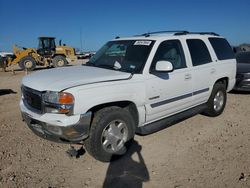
x: 203, y: 70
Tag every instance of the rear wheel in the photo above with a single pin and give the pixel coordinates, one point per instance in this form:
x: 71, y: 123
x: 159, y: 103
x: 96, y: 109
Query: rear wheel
x: 217, y: 100
x: 59, y: 61
x: 27, y: 63
x: 111, y: 130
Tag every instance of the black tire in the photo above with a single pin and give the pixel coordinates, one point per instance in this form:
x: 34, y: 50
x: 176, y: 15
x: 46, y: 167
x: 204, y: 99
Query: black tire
x: 27, y: 63
x: 59, y: 61
x: 102, y: 122
x: 215, y: 107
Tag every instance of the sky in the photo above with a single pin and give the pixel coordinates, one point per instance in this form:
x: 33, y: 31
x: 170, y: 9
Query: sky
x: 92, y: 23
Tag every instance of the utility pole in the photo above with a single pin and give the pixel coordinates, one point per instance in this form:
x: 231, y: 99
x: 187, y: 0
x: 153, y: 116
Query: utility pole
x: 81, y: 38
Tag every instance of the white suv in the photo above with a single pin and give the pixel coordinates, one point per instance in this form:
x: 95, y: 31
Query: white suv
x: 139, y: 84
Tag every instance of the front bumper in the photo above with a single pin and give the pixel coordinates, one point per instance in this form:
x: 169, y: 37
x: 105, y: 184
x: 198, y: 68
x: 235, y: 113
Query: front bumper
x: 242, y: 82
x: 63, y: 134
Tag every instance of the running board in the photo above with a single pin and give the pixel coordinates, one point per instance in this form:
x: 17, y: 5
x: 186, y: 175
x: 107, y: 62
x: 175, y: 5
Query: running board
x: 169, y: 121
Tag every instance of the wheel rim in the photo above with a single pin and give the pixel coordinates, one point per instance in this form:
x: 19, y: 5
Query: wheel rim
x: 114, y: 136
x: 218, y: 101
x: 60, y: 63
x: 28, y: 64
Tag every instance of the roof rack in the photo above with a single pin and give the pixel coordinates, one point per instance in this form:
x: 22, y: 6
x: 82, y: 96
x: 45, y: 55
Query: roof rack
x: 178, y: 33
x: 159, y: 32
x: 199, y: 33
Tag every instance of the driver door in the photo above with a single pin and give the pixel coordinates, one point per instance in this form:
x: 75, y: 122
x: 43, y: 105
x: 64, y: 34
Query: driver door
x: 168, y: 92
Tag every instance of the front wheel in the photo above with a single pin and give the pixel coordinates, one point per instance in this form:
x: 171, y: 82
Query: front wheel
x: 112, y: 128
x: 217, y: 100
x: 27, y: 63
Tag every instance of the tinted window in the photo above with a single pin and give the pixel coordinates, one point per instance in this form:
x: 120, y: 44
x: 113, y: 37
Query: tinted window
x: 243, y: 57
x: 198, y: 51
x: 171, y: 51
x: 222, y: 48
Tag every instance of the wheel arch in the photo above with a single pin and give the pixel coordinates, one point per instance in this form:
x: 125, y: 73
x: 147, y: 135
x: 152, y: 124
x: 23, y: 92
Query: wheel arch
x: 223, y: 80
x: 128, y: 105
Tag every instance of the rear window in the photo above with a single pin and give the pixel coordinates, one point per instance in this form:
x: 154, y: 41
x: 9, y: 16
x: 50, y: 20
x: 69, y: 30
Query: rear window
x: 198, y: 51
x: 243, y: 57
x: 222, y: 48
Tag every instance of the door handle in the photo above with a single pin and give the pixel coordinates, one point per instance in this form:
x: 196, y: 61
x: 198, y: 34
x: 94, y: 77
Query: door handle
x: 188, y: 76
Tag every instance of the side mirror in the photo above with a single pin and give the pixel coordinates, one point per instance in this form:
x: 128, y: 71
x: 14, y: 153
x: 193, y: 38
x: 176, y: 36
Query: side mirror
x: 164, y: 66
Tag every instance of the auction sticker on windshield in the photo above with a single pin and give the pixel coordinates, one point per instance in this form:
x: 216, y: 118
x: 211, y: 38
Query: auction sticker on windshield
x: 143, y: 42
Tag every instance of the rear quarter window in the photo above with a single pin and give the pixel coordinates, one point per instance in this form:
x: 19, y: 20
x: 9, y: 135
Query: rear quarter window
x: 222, y: 48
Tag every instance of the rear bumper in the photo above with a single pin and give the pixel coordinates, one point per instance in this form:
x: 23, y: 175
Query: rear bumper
x: 63, y: 134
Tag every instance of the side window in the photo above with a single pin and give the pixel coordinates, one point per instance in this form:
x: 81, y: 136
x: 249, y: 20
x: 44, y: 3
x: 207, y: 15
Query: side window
x: 170, y: 50
x: 222, y: 48
x: 198, y: 51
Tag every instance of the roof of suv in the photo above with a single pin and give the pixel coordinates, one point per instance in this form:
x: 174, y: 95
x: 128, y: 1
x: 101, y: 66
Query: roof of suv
x: 163, y: 34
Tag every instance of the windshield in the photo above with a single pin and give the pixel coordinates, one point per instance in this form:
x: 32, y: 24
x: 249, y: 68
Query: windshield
x: 125, y: 55
x: 46, y: 43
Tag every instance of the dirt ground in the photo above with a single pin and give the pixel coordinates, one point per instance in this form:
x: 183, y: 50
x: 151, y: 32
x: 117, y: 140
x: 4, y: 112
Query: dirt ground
x: 198, y: 152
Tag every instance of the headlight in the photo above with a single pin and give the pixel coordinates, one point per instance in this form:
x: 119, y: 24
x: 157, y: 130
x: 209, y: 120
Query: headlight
x: 51, y: 97
x: 58, y: 102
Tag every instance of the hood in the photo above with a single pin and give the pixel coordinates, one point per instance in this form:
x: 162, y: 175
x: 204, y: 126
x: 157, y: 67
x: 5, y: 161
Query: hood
x: 243, y: 68
x: 58, y: 79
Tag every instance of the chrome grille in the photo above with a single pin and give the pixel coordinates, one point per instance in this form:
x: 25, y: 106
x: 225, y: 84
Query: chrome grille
x: 32, y: 99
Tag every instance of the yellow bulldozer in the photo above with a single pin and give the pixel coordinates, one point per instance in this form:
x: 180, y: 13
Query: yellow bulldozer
x: 47, y: 54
